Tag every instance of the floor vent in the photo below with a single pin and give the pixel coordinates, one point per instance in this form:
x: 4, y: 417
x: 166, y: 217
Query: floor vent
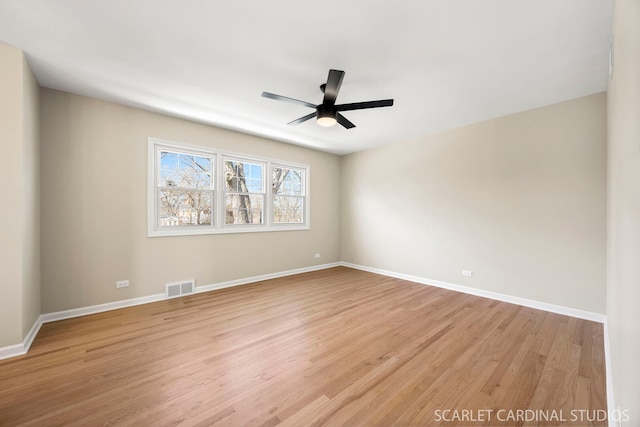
x: 178, y: 289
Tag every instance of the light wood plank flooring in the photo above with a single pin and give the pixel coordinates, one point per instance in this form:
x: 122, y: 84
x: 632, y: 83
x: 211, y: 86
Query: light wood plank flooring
x: 333, y: 347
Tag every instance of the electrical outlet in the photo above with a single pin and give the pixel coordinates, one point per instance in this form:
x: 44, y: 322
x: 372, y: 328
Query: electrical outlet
x: 317, y: 256
x: 122, y: 283
x: 467, y: 273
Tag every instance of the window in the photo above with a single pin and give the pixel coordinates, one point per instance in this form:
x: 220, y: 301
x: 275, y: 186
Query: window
x: 185, y: 188
x: 243, y: 192
x: 288, y: 195
x: 196, y: 190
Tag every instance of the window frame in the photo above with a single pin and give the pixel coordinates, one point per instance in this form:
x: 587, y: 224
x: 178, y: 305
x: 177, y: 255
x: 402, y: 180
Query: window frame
x: 304, y: 193
x: 265, y: 170
x: 218, y: 225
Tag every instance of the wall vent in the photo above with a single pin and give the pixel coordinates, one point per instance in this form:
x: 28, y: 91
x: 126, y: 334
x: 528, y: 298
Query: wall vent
x: 178, y: 289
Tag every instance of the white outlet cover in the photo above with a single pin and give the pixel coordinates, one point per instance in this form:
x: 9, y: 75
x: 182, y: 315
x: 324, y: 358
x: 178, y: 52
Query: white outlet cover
x: 122, y: 283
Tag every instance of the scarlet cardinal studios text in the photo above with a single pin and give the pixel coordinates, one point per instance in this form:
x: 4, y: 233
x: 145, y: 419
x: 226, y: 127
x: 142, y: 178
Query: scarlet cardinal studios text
x: 523, y: 415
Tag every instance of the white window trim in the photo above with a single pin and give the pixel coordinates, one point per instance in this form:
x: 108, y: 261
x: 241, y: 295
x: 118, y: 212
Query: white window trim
x: 218, y: 215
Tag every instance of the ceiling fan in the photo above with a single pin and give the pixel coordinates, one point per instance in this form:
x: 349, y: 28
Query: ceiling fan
x: 328, y: 113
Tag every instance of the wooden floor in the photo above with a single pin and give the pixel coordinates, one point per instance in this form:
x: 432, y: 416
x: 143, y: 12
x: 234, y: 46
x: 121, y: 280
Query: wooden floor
x: 333, y: 347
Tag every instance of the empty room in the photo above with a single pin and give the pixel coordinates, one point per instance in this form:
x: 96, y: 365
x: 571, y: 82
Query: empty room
x: 413, y: 213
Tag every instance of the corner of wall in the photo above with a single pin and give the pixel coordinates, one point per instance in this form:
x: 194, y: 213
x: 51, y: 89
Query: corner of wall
x: 20, y: 221
x: 31, y: 279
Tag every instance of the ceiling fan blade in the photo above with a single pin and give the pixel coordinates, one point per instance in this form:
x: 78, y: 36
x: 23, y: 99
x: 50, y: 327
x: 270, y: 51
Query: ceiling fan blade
x: 302, y: 119
x: 363, y: 105
x: 344, y: 122
x: 287, y: 99
x: 334, y: 81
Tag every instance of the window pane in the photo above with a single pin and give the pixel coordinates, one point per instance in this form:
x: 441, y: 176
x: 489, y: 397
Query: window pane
x: 168, y: 169
x: 185, y: 170
x: 203, y: 164
x: 168, y: 177
x: 185, y: 208
x: 168, y: 160
x: 255, y: 171
x: 288, y: 209
x: 254, y: 185
x: 187, y: 161
x: 243, y: 177
x: 288, y: 181
x: 244, y: 209
x: 203, y: 181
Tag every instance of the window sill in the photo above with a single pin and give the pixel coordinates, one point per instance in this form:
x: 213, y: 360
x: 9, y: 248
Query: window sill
x: 227, y: 230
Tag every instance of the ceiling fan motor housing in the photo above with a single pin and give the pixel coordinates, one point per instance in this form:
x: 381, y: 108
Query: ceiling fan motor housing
x: 326, y: 111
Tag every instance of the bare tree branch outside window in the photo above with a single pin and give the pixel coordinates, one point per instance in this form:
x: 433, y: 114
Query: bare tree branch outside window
x: 186, y: 197
x: 244, y: 192
x: 288, y: 195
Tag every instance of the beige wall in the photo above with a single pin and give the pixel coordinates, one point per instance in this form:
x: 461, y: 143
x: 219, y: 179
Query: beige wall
x: 11, y: 195
x: 94, y: 204
x: 623, y: 281
x: 519, y: 200
x: 19, y: 211
x: 31, y: 307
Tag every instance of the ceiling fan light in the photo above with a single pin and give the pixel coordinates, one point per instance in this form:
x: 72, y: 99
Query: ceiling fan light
x: 326, y: 121
x: 325, y: 115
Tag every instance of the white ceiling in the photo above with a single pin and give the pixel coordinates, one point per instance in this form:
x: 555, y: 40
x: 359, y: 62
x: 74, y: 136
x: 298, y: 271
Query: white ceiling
x: 445, y: 62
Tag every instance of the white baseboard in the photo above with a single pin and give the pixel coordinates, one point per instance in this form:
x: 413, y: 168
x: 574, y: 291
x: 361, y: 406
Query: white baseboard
x: 21, y: 349
x: 12, y: 351
x: 567, y: 311
x: 262, y: 277
x: 28, y: 340
x: 93, y: 309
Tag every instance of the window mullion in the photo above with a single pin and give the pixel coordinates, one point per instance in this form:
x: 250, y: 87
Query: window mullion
x: 220, y: 197
x: 268, y: 196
